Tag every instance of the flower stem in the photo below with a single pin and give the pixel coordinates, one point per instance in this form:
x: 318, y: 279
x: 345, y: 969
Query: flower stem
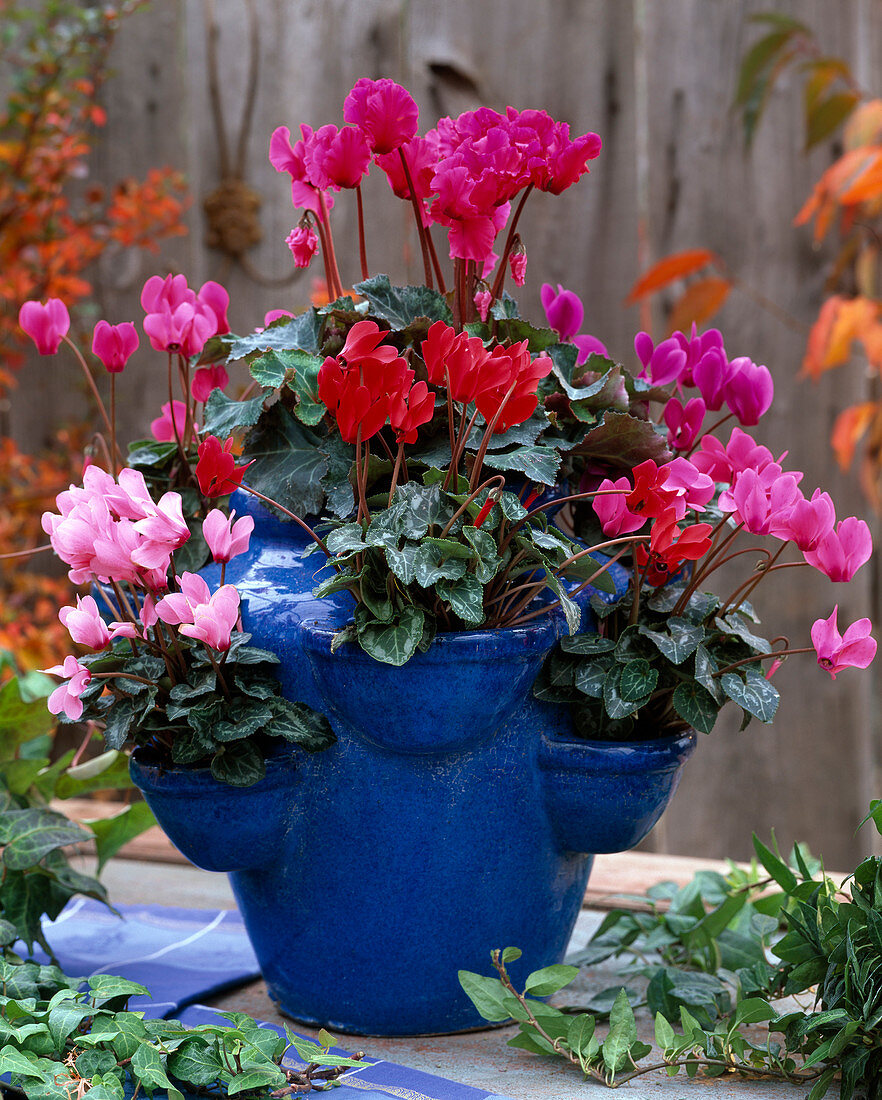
x: 418, y: 214
x: 498, y: 282
x: 362, y: 247
x: 91, y: 381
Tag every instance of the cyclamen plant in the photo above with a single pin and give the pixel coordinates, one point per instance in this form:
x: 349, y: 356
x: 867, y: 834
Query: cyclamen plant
x: 433, y: 432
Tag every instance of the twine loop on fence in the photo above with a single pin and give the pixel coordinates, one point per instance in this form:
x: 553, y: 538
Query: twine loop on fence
x: 231, y: 212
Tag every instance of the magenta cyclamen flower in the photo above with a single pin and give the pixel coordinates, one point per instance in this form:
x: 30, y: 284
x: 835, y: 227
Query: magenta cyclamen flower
x: 66, y: 697
x: 179, y: 319
x: 662, y: 364
x: 684, y: 422
x: 46, y: 325
x: 114, y: 345
x: 163, y: 427
x: 748, y: 390
x: 853, y: 649
x: 807, y: 522
x: 615, y: 517
x: 841, y: 552
x: 303, y: 243
x: 517, y: 262
x: 563, y: 308
x: 384, y: 111
x: 84, y: 623
x: 756, y: 498
x: 711, y: 375
x: 208, y: 379
x: 337, y: 158
x: 226, y: 539
x: 742, y: 452
x: 589, y: 345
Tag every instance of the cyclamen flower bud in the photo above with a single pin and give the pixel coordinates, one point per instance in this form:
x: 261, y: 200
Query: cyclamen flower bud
x: 303, y: 243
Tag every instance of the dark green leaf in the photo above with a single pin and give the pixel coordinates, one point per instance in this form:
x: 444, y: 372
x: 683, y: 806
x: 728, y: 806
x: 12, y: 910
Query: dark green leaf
x: 638, y: 680
x: 678, y: 641
x: 465, y: 598
x: 550, y: 979
x: 225, y: 415
x: 288, y: 462
x: 754, y: 693
x: 400, y: 305
x: 696, y: 706
x: 111, y: 833
x: 239, y: 764
x: 32, y: 833
x: 300, y: 724
x: 393, y: 643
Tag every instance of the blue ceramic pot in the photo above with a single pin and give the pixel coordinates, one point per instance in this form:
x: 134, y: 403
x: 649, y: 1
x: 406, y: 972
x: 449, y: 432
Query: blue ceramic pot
x: 455, y: 814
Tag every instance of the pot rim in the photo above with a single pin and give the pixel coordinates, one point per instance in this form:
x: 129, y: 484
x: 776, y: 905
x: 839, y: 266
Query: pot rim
x: 462, y: 645
x: 157, y: 775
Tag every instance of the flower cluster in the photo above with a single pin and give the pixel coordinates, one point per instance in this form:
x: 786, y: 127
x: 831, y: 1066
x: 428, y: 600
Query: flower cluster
x: 167, y: 654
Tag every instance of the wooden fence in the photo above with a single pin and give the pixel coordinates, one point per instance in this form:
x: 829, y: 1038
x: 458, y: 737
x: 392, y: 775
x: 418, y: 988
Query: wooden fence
x: 655, y: 78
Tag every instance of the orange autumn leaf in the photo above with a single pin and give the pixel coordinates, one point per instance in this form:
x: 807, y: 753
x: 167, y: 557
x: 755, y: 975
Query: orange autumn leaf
x: 868, y: 183
x: 840, y: 322
x: 865, y: 125
x: 828, y: 194
x: 667, y: 270
x: 849, y: 428
x: 700, y: 301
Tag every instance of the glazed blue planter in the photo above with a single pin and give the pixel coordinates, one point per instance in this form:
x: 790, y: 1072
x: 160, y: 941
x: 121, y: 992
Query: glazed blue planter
x: 455, y: 814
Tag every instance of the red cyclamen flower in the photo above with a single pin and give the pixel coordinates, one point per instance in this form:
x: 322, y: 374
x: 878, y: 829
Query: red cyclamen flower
x: 46, y: 325
x: 216, y: 470
x: 114, y: 344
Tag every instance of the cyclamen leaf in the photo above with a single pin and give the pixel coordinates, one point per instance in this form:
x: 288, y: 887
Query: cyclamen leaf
x: 225, y: 415
x: 300, y: 724
x: 464, y: 597
x: 754, y: 694
x: 638, y: 680
x: 536, y: 461
x: 696, y: 706
x: 678, y: 641
x: 617, y: 706
x: 239, y: 764
x: 590, y: 678
x: 587, y: 644
x: 302, y: 332
x: 400, y: 305
x: 393, y: 643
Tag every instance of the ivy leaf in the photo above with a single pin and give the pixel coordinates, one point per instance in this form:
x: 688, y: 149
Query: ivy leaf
x: 32, y: 833
x: 489, y: 996
x: 111, y: 833
x: 550, y: 979
x: 401, y: 305
x: 754, y: 694
x: 622, y: 1035
x: 196, y: 1063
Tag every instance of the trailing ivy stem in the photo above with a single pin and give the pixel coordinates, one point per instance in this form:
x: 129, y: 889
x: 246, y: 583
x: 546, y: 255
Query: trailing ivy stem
x: 332, y: 255
x: 488, y: 435
x: 362, y: 247
x: 91, y: 381
x: 498, y: 282
x: 475, y: 492
x: 506, y: 981
x: 305, y: 526
x: 418, y: 215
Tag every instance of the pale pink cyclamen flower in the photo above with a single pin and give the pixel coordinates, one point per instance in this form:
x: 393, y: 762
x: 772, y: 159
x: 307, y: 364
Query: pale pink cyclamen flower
x: 46, y: 325
x: 853, y: 649
x: 483, y: 301
x: 303, y: 243
x: 84, y: 623
x: 384, y: 111
x: 615, y: 517
x: 517, y: 262
x: 66, y: 696
x: 164, y: 532
x: 163, y: 427
x: 226, y: 539
x: 841, y: 552
x: 114, y: 345
x: 209, y: 618
x: 208, y: 379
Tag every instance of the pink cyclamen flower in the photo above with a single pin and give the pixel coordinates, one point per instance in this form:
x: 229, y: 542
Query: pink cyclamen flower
x: 853, y: 649
x: 114, y: 344
x: 588, y: 346
x: 483, y: 301
x: 163, y: 427
x: 337, y: 158
x: 84, y: 623
x: 46, y: 325
x: 384, y: 111
x: 711, y: 374
x: 748, y: 390
x: 807, y: 522
x: 517, y: 262
x: 199, y: 614
x: 742, y: 452
x: 563, y: 308
x: 663, y: 363
x: 841, y: 552
x: 303, y: 243
x: 756, y: 499
x: 66, y: 697
x: 274, y: 315
x: 208, y: 379
x: 226, y: 539
x: 163, y: 532
x: 612, y: 511
x: 684, y: 422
